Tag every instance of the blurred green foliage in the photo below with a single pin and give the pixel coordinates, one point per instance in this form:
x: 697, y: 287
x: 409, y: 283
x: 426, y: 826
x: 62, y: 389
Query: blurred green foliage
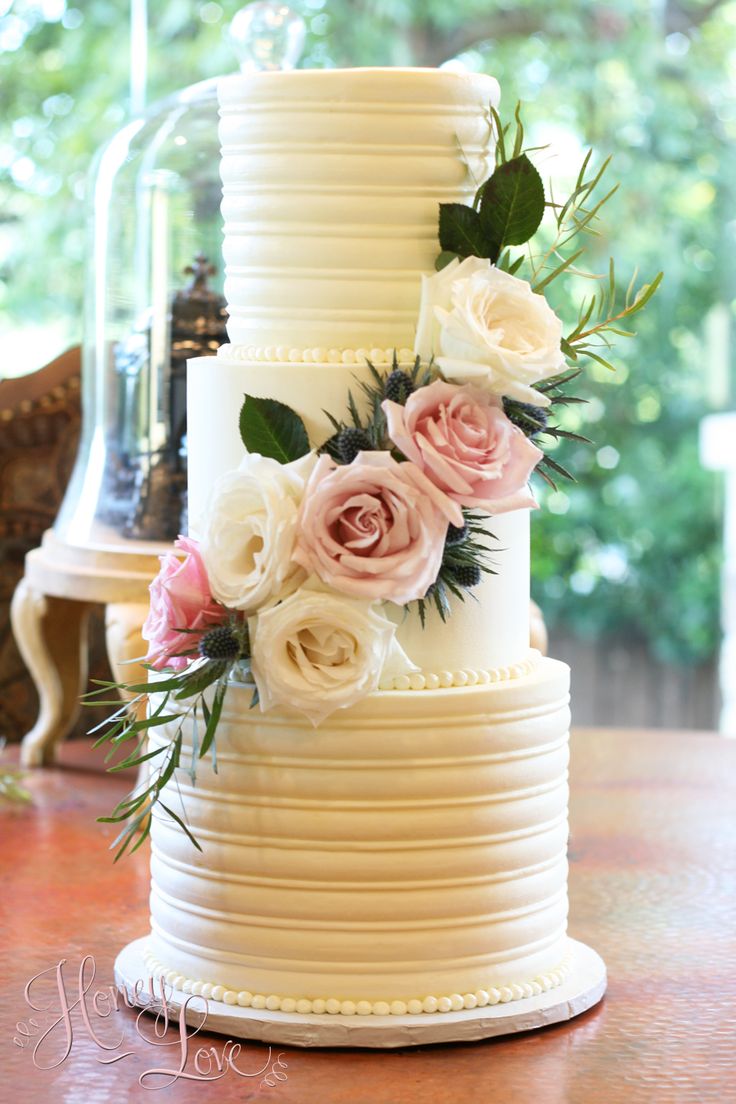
x: 634, y: 546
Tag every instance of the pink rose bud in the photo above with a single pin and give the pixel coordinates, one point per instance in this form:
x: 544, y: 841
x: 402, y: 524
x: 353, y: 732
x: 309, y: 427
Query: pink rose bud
x: 462, y: 440
x: 373, y: 529
x: 180, y: 599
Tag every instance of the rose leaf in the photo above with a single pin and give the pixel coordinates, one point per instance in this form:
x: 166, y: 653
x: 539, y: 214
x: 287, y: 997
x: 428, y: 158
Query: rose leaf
x: 461, y: 231
x: 272, y: 429
x: 512, y: 203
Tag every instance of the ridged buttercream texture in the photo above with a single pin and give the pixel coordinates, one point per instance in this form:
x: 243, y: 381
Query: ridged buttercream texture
x: 331, y: 185
x: 414, y: 844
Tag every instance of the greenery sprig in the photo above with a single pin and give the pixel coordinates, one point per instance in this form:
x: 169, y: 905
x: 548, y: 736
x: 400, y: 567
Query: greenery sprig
x: 507, y: 211
x: 172, y: 699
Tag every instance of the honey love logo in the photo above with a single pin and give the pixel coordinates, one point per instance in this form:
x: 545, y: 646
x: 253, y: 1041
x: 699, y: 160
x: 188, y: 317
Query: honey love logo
x: 61, y: 1012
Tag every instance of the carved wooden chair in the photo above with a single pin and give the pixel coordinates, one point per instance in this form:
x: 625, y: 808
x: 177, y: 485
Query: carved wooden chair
x: 40, y: 420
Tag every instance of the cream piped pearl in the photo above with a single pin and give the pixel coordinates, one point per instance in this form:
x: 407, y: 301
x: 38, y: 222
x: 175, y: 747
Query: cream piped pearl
x: 363, y: 1008
x: 444, y: 1004
x: 259, y: 1001
x: 430, y: 1004
x: 273, y: 1003
x: 332, y: 1006
x: 470, y: 1000
x: 245, y: 998
x: 207, y: 990
x: 230, y: 996
x: 414, y: 1008
x: 381, y: 1008
x: 288, y: 1004
x: 494, y: 996
x: 347, y: 1008
x: 319, y: 1006
x: 481, y: 998
x: 456, y: 1002
x: 218, y: 992
x: 303, y: 1006
x: 398, y: 1008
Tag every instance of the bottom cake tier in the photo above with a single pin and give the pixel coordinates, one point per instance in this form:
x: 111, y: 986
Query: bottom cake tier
x: 409, y: 852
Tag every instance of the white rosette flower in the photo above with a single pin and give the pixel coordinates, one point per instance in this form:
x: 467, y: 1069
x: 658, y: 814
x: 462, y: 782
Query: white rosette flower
x: 318, y: 651
x: 249, y: 530
x: 486, y: 327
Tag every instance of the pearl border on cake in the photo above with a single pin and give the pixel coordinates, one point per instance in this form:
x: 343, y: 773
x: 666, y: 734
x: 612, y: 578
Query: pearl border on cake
x: 455, y: 1002
x: 466, y: 676
x: 285, y: 354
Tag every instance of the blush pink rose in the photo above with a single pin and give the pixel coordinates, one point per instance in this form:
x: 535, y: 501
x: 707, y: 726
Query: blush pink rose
x: 180, y: 599
x: 373, y: 529
x: 463, y: 441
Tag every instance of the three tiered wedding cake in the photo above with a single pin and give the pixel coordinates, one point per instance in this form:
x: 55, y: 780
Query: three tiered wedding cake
x: 408, y: 854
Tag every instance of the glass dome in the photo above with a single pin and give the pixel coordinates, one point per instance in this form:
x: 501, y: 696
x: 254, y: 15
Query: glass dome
x: 153, y: 299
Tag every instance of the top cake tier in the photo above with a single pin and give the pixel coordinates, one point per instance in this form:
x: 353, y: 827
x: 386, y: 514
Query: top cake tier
x: 331, y: 186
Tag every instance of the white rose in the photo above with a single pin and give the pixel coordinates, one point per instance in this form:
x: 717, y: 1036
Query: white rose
x: 249, y: 530
x: 318, y: 651
x: 486, y: 327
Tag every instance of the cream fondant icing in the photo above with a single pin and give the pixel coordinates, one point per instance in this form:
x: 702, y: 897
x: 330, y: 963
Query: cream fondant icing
x: 331, y: 181
x: 413, y: 844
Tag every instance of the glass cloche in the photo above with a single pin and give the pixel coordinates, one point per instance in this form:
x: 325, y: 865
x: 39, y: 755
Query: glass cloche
x: 154, y: 300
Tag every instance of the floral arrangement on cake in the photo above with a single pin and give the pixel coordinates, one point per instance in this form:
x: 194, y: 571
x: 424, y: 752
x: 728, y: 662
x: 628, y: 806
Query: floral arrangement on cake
x: 312, y: 552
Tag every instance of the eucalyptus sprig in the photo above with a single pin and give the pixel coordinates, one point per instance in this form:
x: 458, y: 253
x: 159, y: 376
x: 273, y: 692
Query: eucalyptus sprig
x: 170, y: 698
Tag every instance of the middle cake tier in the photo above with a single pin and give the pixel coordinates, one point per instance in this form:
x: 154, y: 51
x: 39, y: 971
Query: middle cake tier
x: 490, y: 629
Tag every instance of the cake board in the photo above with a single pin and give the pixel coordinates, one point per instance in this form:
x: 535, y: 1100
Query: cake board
x: 583, y: 987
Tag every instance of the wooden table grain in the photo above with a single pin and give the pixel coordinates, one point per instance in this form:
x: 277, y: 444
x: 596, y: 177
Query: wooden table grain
x: 652, y: 888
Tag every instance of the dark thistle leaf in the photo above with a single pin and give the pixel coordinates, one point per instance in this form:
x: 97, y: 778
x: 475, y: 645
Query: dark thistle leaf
x: 548, y: 462
x: 272, y: 429
x: 200, y: 678
x: 512, y: 204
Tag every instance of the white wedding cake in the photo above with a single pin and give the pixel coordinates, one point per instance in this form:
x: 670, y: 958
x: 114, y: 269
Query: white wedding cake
x: 406, y: 853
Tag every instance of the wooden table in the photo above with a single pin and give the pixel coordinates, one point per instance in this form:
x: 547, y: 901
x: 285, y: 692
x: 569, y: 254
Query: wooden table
x: 652, y: 880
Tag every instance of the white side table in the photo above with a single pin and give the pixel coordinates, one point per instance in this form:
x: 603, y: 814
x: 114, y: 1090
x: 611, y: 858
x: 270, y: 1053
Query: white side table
x: 50, y: 611
x: 718, y: 452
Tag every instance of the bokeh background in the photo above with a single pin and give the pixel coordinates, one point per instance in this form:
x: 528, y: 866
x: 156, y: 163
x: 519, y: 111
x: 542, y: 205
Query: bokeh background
x: 627, y: 562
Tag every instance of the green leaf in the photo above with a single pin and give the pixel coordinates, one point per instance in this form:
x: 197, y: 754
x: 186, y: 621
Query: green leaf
x: 445, y: 257
x: 272, y: 429
x: 213, y: 718
x: 174, y: 816
x: 512, y: 203
x: 461, y: 232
